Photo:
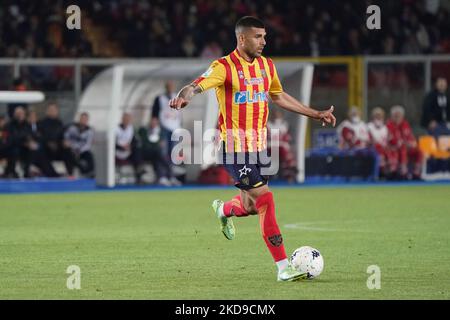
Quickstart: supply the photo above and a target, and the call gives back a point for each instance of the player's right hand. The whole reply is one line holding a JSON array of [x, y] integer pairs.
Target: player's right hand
[[178, 103]]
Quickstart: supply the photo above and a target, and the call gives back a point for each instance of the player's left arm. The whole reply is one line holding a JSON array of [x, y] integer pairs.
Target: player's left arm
[[286, 101]]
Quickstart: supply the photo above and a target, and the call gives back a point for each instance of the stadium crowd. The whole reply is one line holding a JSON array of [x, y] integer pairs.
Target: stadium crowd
[[205, 27]]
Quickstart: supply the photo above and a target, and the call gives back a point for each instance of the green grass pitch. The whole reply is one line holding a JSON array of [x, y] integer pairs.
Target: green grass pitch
[[167, 244]]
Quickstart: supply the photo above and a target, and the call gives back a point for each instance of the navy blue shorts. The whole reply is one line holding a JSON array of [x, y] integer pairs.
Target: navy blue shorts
[[245, 168]]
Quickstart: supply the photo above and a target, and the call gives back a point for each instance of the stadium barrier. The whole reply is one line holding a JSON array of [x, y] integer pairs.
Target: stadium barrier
[[364, 81]]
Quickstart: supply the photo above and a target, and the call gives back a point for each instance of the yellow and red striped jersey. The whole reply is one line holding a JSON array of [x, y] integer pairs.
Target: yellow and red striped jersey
[[242, 90]]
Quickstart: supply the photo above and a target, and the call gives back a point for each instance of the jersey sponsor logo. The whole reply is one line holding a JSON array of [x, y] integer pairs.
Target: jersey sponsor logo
[[253, 81], [246, 97]]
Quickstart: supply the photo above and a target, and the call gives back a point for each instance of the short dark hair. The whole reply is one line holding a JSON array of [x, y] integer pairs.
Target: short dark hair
[[249, 22]]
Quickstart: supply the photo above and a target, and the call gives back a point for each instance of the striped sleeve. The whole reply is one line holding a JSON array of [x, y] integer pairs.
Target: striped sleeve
[[213, 77], [275, 85]]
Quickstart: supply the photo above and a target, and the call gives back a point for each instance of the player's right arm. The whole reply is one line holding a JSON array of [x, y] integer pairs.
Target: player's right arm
[[184, 96], [212, 78]]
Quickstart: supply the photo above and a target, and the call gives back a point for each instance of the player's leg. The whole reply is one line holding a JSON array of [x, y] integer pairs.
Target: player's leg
[[239, 206], [261, 200]]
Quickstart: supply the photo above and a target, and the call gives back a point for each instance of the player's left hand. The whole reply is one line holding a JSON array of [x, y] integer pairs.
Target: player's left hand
[[327, 117]]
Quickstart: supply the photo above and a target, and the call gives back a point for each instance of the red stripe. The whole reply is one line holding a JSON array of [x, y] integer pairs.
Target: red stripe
[[251, 69], [266, 89], [228, 103], [198, 80], [242, 106]]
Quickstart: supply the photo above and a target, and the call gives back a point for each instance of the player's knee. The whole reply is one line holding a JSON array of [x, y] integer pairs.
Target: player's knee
[[250, 207], [265, 199]]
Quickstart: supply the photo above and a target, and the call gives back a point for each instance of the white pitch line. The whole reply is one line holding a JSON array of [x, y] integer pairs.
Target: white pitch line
[[306, 226], [309, 226]]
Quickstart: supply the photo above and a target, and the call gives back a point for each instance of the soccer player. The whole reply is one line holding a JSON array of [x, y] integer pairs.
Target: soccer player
[[244, 80]]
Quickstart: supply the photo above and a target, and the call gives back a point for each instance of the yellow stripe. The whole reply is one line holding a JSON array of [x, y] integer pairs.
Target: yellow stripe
[[235, 107], [262, 132], [260, 109], [220, 95], [248, 111]]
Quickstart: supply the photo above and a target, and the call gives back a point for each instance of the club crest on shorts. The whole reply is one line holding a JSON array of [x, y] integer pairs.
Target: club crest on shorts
[[276, 240]]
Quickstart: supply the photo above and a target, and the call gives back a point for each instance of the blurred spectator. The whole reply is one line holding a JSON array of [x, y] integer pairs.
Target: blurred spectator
[[353, 132], [159, 28], [127, 150], [51, 131], [378, 132], [18, 85], [436, 109], [3, 137], [22, 147], [78, 138], [150, 142], [404, 146], [33, 121], [169, 119], [212, 50], [280, 136]]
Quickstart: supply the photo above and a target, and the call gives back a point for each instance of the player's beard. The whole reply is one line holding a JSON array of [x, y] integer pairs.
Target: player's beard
[[258, 52], [255, 54]]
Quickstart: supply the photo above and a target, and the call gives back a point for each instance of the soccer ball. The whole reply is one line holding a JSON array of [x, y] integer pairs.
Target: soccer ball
[[307, 260]]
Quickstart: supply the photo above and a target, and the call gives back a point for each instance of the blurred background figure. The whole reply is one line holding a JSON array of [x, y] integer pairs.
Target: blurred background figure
[[436, 109], [3, 136], [127, 150], [33, 121], [279, 133], [152, 151], [353, 132], [21, 147], [378, 133], [169, 119], [407, 156], [78, 137], [51, 132], [212, 50], [18, 85]]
